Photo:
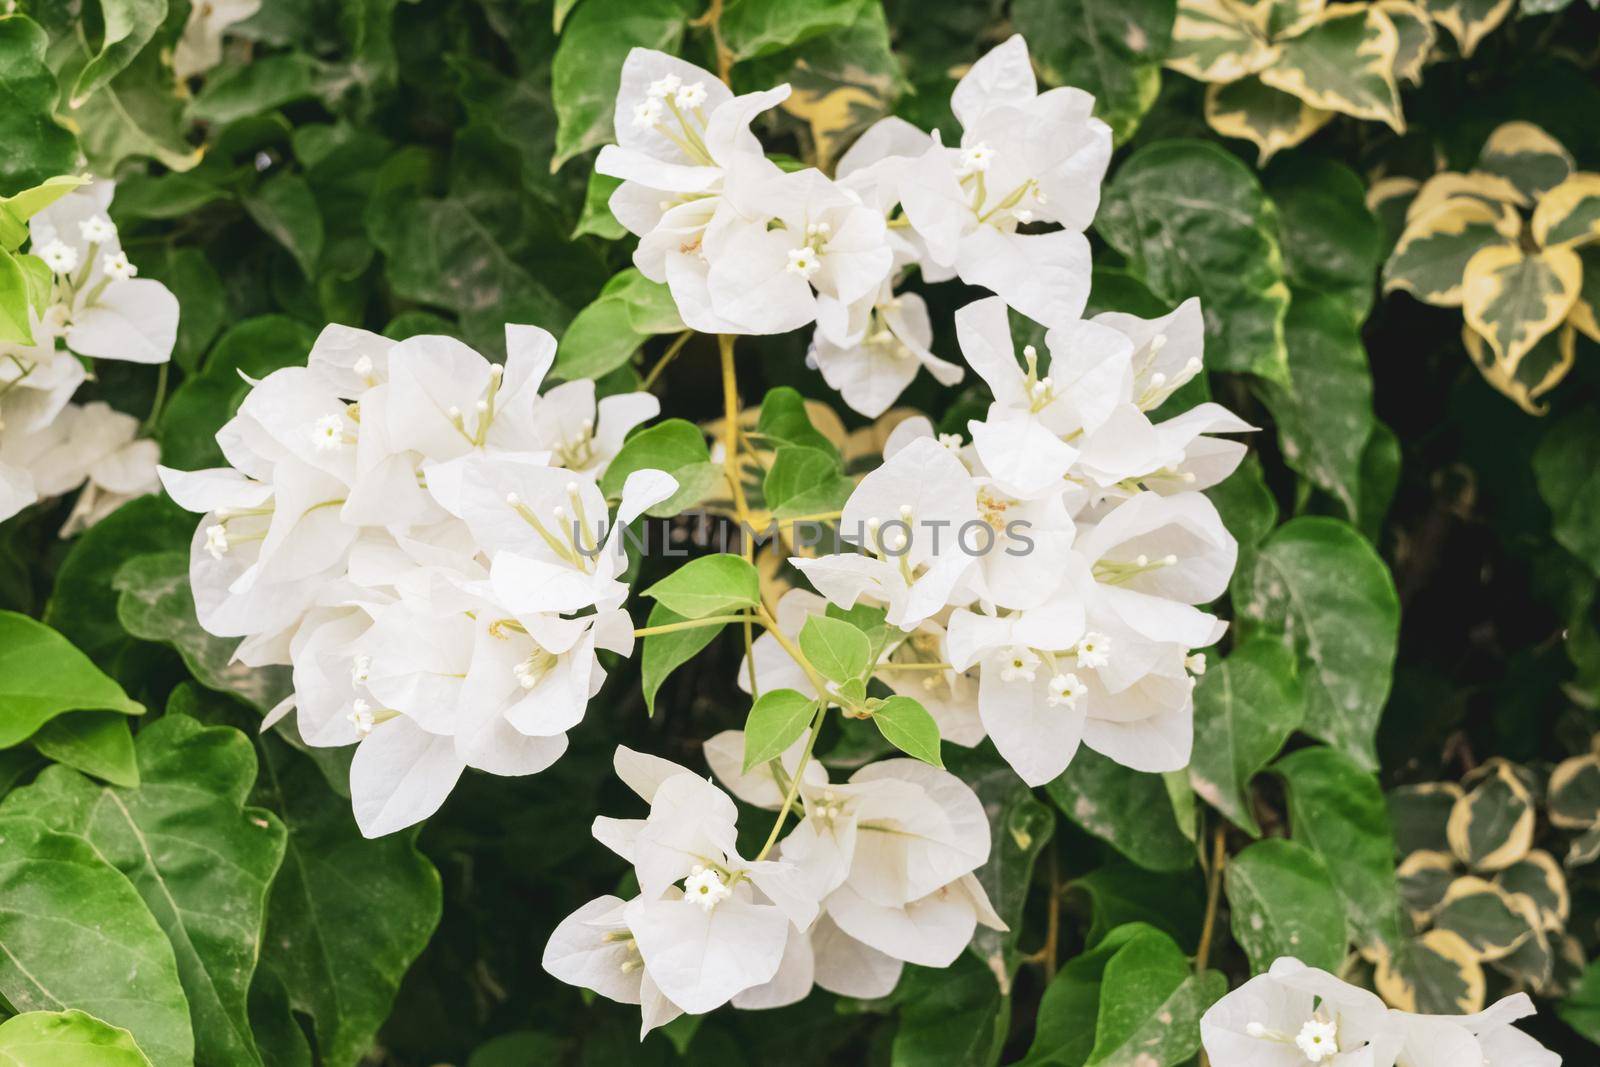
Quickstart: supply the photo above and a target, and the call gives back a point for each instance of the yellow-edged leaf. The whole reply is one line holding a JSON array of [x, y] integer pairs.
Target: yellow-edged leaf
[[1430, 259], [1284, 18], [1219, 40], [1513, 298], [1479, 185], [1469, 21], [1569, 214], [1343, 61], [1585, 313], [1486, 917], [1526, 156], [1573, 795], [1265, 117], [1540, 371], [1539, 878], [1423, 878], [1437, 973], [1416, 36], [1492, 826]]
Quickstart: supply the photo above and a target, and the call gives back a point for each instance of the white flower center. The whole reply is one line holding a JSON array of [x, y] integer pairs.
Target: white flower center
[[532, 670], [976, 160], [1318, 1039], [1065, 689], [363, 368], [705, 887], [1020, 663], [664, 86], [361, 717], [1094, 650], [647, 113], [117, 266], [97, 229], [1195, 664], [804, 261], [327, 434], [691, 95], [360, 670], [60, 257]]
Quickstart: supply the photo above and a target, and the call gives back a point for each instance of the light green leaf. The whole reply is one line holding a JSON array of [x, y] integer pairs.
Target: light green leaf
[[804, 481], [597, 218], [661, 654], [1320, 587], [1284, 904], [137, 113], [838, 650], [630, 310], [1266, 117], [43, 675], [1581, 1009], [676, 446], [37, 147], [1193, 221], [709, 585], [1569, 482], [1150, 1005], [94, 742], [1337, 810], [285, 208], [201, 859], [1130, 809], [776, 721], [67, 1039], [783, 421], [15, 301], [74, 933], [1245, 708], [908, 726], [752, 28], [1111, 50]]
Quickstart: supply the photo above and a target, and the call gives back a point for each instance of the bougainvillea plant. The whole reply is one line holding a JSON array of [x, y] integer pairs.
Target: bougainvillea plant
[[627, 531]]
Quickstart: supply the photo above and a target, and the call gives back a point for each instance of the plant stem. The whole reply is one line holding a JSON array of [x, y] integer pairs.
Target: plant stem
[[160, 401], [913, 667], [799, 774], [817, 681], [666, 357], [712, 20], [690, 624], [1219, 859], [730, 468]]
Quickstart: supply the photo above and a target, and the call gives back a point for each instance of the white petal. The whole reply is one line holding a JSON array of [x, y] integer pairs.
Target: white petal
[[1045, 276], [702, 959], [134, 320], [579, 954], [1003, 76], [400, 776]]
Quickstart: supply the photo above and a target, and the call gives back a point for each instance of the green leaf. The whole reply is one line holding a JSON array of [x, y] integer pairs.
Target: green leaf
[[1150, 1005], [838, 650], [951, 1017], [1343, 61], [709, 585], [74, 933], [201, 859], [1111, 50], [1193, 221], [907, 725], [1320, 587], [67, 1039], [661, 654], [1337, 810], [1127, 808], [1064, 1031], [752, 28], [285, 208], [15, 301], [783, 421], [588, 64], [1019, 829], [604, 335], [94, 742], [1245, 708], [37, 147], [1569, 481], [194, 281], [1331, 241], [1284, 904], [156, 604], [1581, 1009], [128, 25], [804, 481], [256, 87], [1380, 477], [340, 948], [596, 218], [676, 446], [138, 113], [1118, 893], [43, 675], [776, 721]]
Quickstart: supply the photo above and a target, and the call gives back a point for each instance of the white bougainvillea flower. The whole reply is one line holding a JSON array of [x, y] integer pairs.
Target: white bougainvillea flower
[[1024, 158], [349, 361], [951, 696], [116, 464], [759, 787], [582, 435], [1486, 1038], [871, 374], [593, 948], [200, 47], [400, 775], [1295, 1015]]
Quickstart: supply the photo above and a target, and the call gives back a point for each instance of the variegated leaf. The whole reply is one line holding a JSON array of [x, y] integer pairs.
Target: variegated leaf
[[1538, 372], [1486, 917], [1343, 61], [1526, 156], [1416, 38], [1423, 879], [1533, 961], [1583, 850], [1572, 798], [1539, 877], [1284, 18], [1219, 40], [1468, 21], [1585, 313], [1265, 117], [1449, 185], [1569, 214], [1491, 827], [1388, 199], [1437, 973], [1513, 298], [1430, 260], [1419, 814]]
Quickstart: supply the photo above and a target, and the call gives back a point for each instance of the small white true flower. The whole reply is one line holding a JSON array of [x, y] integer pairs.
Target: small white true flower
[[97, 229], [952, 441], [360, 670], [361, 717], [328, 433], [1195, 664], [647, 113], [706, 888], [1065, 689], [1318, 1039], [664, 87], [1094, 650], [691, 96], [217, 540], [60, 257], [804, 261], [1020, 662], [976, 160], [363, 368], [117, 266]]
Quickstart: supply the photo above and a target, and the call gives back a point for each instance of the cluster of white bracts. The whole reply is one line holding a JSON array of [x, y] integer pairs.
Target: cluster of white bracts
[[1295, 1015], [876, 874], [97, 309], [420, 535]]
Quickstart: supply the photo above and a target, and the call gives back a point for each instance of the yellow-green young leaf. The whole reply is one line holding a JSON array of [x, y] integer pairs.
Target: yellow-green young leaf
[[1245, 708], [776, 721], [1423, 878], [1416, 37], [1491, 827], [1538, 877], [838, 650], [94, 742], [908, 726], [1513, 298], [1572, 799], [752, 28], [19, 208], [1218, 41], [1420, 813], [588, 65], [1150, 1005], [42, 675], [67, 1039], [1569, 214], [1540, 370], [1267, 118], [1486, 917], [138, 113], [596, 217], [661, 654], [14, 301], [1344, 62], [1435, 974], [1284, 904], [708, 586], [676, 446], [1527, 157], [1469, 21]]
